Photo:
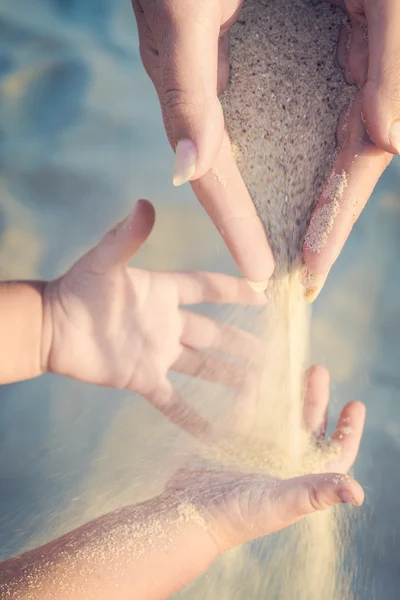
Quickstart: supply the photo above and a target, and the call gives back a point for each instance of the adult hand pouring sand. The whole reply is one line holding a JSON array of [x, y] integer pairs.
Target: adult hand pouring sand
[[184, 48], [368, 132]]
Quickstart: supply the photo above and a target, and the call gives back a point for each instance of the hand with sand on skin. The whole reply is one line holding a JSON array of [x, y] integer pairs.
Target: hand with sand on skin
[[180, 533], [111, 325], [184, 48], [368, 131], [240, 505]]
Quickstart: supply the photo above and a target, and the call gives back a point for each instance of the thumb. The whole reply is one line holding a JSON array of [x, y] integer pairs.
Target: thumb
[[119, 245], [267, 505], [188, 50], [381, 100], [295, 498]]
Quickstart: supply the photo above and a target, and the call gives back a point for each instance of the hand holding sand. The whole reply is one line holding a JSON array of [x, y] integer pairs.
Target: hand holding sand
[[184, 48], [203, 513], [247, 488], [368, 131], [111, 325]]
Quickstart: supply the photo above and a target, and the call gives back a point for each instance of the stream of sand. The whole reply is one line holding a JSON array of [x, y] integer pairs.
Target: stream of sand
[[282, 105]]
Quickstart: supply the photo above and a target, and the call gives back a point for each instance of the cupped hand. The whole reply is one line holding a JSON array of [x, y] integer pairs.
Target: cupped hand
[[239, 505], [368, 131], [184, 47], [111, 325]]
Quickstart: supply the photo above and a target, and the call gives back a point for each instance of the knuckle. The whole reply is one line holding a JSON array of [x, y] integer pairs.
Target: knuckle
[[161, 397], [316, 499], [149, 55], [179, 104]]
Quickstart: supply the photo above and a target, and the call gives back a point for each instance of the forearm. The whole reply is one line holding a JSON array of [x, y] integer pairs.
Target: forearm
[[21, 318], [144, 552]]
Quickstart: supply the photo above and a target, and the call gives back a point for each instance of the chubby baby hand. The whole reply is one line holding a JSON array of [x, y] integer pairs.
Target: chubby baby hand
[[108, 324]]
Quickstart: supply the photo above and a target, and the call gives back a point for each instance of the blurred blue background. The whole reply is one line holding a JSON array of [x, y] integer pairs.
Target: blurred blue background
[[81, 139]]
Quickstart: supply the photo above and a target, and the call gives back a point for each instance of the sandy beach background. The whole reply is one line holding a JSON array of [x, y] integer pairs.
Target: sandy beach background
[[81, 139]]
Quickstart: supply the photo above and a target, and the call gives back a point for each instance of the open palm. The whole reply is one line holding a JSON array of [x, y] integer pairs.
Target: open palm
[[241, 503], [112, 325]]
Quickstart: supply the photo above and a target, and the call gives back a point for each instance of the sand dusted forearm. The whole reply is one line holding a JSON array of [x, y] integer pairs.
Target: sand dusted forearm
[[142, 552]]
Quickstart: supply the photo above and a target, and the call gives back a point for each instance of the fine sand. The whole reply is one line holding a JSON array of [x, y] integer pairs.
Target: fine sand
[[282, 105]]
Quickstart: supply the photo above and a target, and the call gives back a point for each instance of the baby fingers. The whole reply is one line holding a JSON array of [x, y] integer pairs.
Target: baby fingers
[[210, 368], [316, 402], [197, 287], [204, 333], [171, 404], [347, 436]]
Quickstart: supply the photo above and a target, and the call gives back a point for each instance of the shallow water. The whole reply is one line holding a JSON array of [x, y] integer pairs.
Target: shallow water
[[80, 139]]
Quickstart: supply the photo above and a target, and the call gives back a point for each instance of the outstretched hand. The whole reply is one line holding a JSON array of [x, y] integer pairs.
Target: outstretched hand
[[111, 325], [184, 48], [368, 132], [241, 506]]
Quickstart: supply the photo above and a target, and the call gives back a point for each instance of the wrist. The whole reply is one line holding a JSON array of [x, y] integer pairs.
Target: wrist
[[197, 524], [21, 312]]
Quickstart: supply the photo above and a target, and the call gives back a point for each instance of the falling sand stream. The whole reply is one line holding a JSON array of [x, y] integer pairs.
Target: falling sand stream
[[282, 106]]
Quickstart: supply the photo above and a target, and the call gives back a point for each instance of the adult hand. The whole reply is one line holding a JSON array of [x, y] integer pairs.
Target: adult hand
[[108, 324], [368, 132], [240, 504], [184, 48]]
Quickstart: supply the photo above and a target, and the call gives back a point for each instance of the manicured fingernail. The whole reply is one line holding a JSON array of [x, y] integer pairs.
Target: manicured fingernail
[[312, 282], [395, 136], [347, 498], [185, 162], [258, 287]]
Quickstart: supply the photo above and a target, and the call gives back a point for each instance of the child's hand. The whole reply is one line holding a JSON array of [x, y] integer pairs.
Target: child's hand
[[240, 503], [111, 325]]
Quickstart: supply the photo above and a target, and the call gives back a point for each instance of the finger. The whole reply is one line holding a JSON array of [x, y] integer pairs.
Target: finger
[[197, 287], [203, 333], [167, 400], [147, 44], [316, 401], [210, 368], [295, 498], [356, 171], [119, 245], [382, 91], [225, 198], [357, 60], [347, 436], [188, 52]]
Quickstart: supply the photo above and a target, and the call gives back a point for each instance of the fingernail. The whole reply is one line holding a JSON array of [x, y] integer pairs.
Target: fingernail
[[185, 162], [347, 498], [312, 282], [395, 136], [258, 287]]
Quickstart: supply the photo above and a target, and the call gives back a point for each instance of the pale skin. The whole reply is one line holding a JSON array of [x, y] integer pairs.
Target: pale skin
[[184, 47], [112, 557], [109, 324]]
